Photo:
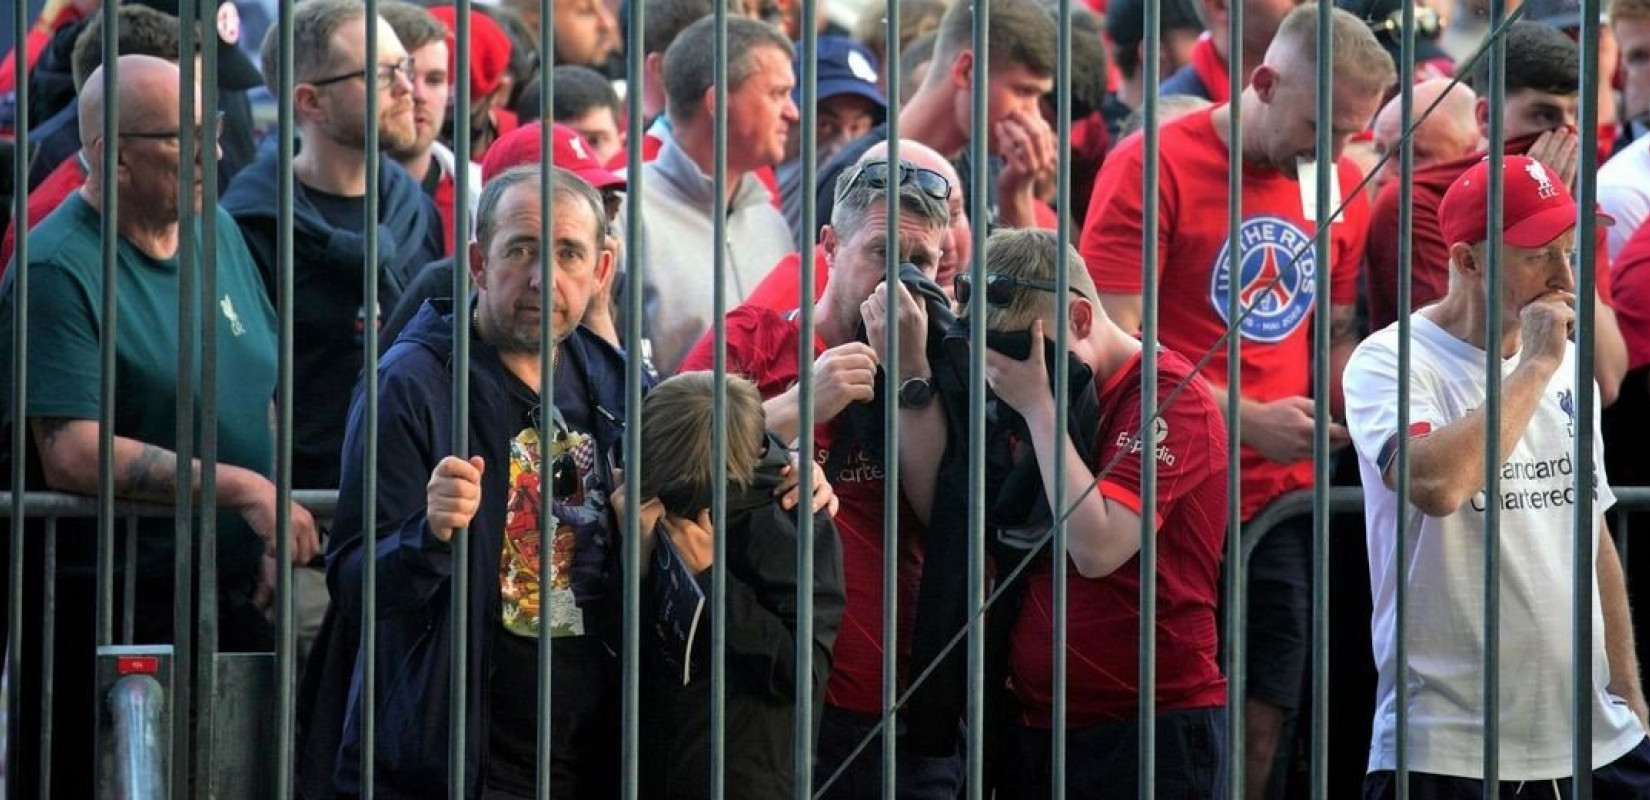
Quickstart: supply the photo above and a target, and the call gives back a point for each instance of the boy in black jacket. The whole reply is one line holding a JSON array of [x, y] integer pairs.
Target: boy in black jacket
[[762, 621]]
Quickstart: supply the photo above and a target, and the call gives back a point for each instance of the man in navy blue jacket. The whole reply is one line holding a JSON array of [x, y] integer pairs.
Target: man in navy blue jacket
[[424, 493]]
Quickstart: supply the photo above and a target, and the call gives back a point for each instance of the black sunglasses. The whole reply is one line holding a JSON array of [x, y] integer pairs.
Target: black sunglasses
[[1428, 25], [1000, 289], [933, 184]]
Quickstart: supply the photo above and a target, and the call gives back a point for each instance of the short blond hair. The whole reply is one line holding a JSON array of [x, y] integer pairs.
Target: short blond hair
[[1030, 253], [677, 446], [1359, 57]]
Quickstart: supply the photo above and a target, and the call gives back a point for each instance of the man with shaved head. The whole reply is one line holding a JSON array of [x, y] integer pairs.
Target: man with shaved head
[[1447, 133], [62, 411]]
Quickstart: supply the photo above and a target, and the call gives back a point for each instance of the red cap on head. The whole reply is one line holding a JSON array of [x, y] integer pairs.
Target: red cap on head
[[1536, 205], [523, 146], [489, 50]]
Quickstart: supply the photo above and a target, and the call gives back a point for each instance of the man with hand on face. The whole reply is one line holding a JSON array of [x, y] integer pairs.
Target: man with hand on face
[[851, 316], [1276, 287], [1449, 442]]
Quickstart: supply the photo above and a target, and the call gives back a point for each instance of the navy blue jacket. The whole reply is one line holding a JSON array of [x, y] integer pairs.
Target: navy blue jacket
[[414, 568]]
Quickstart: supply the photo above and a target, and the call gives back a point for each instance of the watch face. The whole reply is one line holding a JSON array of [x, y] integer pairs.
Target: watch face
[[915, 393]]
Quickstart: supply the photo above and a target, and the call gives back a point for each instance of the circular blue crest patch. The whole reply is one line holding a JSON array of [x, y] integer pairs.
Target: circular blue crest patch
[[1278, 264]]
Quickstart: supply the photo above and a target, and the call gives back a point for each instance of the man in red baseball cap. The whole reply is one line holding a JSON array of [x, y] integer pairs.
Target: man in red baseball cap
[[1536, 495]]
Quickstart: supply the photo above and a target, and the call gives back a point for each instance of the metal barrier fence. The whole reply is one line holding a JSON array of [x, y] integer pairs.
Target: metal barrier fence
[[193, 736]]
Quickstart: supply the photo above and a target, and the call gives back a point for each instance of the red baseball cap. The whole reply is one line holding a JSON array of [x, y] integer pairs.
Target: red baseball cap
[[1536, 205], [489, 50], [522, 146]]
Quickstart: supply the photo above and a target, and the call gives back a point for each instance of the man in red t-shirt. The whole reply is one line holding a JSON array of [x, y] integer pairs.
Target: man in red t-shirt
[[1539, 116], [1189, 445], [764, 345], [1276, 287]]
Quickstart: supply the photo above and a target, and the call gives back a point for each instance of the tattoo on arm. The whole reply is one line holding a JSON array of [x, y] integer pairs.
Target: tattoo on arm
[[150, 475]]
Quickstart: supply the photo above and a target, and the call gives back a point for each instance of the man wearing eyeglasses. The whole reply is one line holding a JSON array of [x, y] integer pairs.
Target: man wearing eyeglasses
[[62, 411], [849, 388], [1106, 442], [329, 212]]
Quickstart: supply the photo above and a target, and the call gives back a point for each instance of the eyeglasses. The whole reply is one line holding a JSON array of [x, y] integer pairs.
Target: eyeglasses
[[386, 74], [1428, 25], [930, 182], [1000, 289], [200, 132]]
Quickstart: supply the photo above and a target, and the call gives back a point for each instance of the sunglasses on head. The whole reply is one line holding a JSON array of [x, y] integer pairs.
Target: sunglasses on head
[[1428, 25], [1000, 289], [933, 184]]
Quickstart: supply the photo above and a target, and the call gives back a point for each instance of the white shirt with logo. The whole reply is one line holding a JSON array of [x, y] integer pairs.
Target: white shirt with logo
[[1445, 576]]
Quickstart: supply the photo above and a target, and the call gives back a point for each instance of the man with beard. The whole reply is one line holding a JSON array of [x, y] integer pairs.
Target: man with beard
[[429, 161], [332, 77]]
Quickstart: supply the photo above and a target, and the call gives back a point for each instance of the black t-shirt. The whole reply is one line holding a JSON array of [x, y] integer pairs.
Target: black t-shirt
[[343, 213], [579, 662]]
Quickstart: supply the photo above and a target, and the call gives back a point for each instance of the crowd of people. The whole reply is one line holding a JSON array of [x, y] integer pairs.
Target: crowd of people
[[446, 196]]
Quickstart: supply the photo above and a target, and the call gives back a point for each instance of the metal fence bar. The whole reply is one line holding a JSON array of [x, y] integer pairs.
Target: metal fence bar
[[106, 341], [1235, 594], [719, 419], [369, 375], [1149, 259], [1059, 568], [48, 654], [1586, 531], [284, 187], [128, 582], [1326, 171], [1406, 283], [890, 498], [183, 555], [206, 600], [635, 219], [803, 745], [978, 211], [18, 446], [1492, 409], [547, 393], [459, 594]]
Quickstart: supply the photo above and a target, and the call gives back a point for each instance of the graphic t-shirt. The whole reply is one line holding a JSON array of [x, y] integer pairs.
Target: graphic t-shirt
[[762, 345], [1444, 572], [1278, 267], [1103, 622]]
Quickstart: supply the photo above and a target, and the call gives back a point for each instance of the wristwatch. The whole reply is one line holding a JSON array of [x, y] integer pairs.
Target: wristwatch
[[916, 393]]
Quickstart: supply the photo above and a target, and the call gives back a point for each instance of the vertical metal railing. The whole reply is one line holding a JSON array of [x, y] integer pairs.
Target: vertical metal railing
[[369, 375], [285, 185], [1586, 530], [18, 447], [1151, 189], [110, 242], [205, 746], [183, 573], [1236, 594], [1323, 218], [1406, 282], [979, 169], [891, 368], [1492, 412], [803, 750], [547, 390], [458, 778], [1059, 570], [635, 265], [719, 422]]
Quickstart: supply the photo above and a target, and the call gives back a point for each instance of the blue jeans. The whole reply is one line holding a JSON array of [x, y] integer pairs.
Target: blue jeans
[[1103, 760], [918, 777], [1626, 778]]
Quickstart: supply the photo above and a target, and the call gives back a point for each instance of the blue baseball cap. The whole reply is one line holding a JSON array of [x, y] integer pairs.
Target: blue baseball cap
[[845, 67]]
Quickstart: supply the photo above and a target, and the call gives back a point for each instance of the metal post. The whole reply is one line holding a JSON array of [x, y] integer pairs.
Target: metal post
[[803, 737], [719, 425], [183, 555], [19, 420], [1235, 594], [1149, 255], [369, 374], [1586, 530], [106, 339], [635, 260], [206, 560], [1406, 282], [978, 211], [890, 412], [285, 657], [547, 387], [1059, 569], [1492, 411], [1324, 219], [137, 703], [48, 654], [459, 599]]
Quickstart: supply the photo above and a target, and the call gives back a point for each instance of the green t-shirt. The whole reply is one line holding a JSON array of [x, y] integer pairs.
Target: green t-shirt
[[65, 319]]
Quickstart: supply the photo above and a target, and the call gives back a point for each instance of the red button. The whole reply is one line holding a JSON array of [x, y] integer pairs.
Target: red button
[[137, 665]]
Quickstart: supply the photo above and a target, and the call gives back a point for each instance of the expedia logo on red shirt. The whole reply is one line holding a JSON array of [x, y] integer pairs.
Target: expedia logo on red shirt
[[1278, 264]]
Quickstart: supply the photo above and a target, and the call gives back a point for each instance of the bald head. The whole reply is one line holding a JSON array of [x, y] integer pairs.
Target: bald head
[[958, 243], [147, 95], [1450, 132]]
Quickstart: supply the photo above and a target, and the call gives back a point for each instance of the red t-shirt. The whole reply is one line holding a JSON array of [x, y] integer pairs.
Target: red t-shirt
[[762, 345], [1632, 296], [443, 197], [63, 181], [1103, 623], [781, 288], [1193, 279], [1430, 265]]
